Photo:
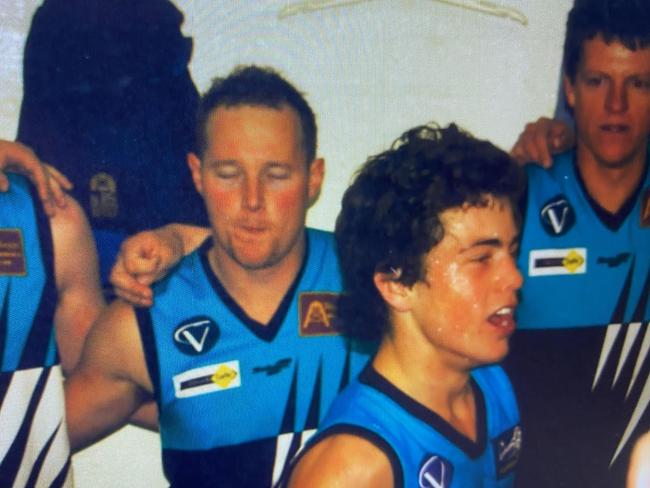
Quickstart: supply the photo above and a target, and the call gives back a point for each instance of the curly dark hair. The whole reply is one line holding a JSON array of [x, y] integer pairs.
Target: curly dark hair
[[257, 86], [390, 216], [626, 21]]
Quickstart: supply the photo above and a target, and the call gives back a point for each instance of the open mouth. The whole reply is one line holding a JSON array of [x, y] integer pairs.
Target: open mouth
[[503, 318]]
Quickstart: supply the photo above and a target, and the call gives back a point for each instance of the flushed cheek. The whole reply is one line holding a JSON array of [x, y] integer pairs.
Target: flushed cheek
[[288, 201]]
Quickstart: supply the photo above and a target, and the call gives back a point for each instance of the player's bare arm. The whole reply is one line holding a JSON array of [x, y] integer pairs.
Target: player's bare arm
[[49, 182], [541, 139], [148, 256], [343, 460], [77, 280], [111, 380], [638, 475]]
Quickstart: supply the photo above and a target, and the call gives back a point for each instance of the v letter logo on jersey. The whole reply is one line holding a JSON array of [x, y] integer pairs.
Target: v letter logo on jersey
[[435, 472], [196, 335], [557, 216]]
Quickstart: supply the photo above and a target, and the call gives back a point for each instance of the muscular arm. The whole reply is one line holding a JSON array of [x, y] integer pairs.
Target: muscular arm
[[111, 380], [80, 299], [343, 460], [148, 256]]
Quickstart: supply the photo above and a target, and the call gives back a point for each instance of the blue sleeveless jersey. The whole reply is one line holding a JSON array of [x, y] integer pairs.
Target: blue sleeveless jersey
[[237, 398], [34, 447], [424, 450], [579, 359]]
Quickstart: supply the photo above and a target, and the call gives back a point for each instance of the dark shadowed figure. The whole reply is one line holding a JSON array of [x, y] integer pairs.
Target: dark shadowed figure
[[108, 100]]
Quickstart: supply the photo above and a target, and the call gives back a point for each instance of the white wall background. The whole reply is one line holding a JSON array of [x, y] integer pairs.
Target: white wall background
[[371, 69]]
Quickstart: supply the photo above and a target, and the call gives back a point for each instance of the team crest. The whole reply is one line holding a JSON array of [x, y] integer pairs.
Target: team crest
[[557, 216], [435, 472], [507, 448], [317, 314], [645, 209], [12, 253], [196, 336]]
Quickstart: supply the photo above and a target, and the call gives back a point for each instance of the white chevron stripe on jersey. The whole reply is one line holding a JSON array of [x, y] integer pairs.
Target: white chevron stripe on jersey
[[608, 344], [631, 333], [632, 330], [14, 404], [643, 353], [48, 421]]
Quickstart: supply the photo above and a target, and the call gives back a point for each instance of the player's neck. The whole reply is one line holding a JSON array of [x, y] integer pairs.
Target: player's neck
[[610, 186], [431, 380], [257, 291]]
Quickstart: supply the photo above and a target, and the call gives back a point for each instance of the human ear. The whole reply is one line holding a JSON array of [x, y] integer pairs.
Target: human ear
[[194, 163], [316, 176], [569, 91], [394, 292]]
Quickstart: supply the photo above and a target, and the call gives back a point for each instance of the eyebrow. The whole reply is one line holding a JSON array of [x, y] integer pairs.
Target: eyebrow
[[490, 242]]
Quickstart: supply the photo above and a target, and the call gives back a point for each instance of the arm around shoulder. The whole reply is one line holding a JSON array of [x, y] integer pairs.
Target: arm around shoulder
[[148, 256], [343, 460]]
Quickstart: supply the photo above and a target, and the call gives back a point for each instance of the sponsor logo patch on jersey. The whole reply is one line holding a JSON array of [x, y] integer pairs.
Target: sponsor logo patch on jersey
[[435, 472], [507, 448], [207, 379], [12, 253], [557, 216], [645, 209], [548, 262], [196, 335], [317, 314]]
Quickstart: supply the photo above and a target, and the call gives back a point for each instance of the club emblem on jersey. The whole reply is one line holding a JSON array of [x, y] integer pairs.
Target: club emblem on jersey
[[645, 209], [207, 379], [557, 216], [435, 472], [196, 335], [507, 448], [12, 253], [317, 314], [548, 262]]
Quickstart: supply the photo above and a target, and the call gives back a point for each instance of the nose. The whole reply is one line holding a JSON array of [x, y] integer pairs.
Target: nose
[[510, 276], [253, 194], [616, 100]]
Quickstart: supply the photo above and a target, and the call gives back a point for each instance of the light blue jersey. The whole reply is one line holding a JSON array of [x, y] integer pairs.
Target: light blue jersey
[[579, 360], [34, 448], [424, 450], [237, 398]]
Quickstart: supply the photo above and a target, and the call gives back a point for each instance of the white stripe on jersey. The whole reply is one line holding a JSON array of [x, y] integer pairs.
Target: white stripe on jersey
[[48, 417]]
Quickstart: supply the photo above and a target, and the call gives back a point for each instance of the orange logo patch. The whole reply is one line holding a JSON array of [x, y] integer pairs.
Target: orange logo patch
[[317, 314], [12, 253]]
